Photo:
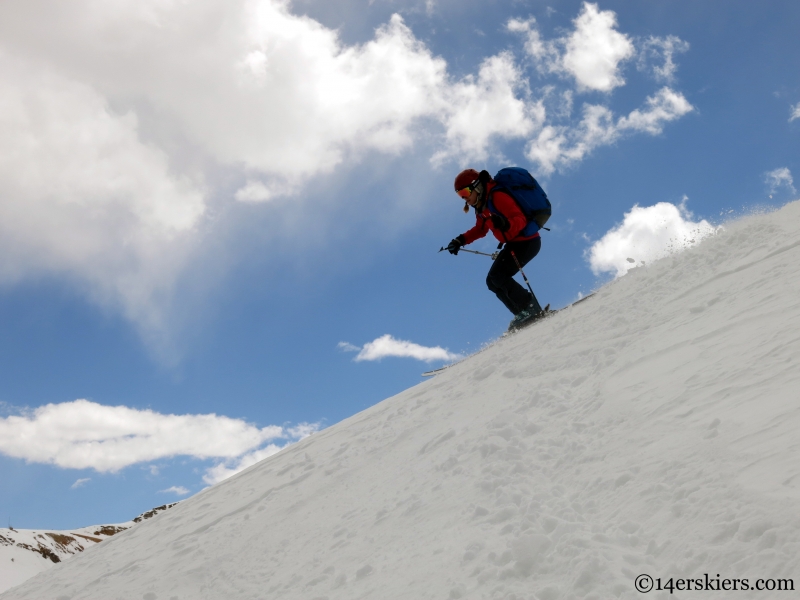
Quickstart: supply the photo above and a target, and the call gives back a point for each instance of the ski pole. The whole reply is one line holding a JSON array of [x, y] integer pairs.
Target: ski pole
[[493, 255], [528, 283]]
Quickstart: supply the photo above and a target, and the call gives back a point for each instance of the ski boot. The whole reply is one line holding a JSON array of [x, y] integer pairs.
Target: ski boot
[[528, 315]]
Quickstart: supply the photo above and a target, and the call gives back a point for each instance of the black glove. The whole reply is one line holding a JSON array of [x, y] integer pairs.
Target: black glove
[[455, 244], [500, 222]]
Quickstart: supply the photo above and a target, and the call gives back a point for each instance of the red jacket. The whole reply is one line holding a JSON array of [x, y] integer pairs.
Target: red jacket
[[505, 205]]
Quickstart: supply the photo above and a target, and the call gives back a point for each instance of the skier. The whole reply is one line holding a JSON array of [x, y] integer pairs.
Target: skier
[[511, 227]]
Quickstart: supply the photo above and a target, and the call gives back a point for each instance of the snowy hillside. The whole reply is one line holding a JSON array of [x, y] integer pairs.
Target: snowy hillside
[[26, 552], [649, 430]]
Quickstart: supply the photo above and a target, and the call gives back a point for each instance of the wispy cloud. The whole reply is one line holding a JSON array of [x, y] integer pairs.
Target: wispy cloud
[[795, 112], [593, 55], [561, 146], [647, 234], [84, 434], [178, 490], [229, 468], [664, 48], [780, 179], [80, 483], [387, 346]]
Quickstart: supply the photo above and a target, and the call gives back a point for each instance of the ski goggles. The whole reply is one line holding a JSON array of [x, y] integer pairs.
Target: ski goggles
[[466, 192]]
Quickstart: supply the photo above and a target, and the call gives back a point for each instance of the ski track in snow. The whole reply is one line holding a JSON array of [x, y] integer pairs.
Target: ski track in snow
[[651, 430]]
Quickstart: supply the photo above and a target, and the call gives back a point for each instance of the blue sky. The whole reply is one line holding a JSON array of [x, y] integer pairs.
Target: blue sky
[[200, 204]]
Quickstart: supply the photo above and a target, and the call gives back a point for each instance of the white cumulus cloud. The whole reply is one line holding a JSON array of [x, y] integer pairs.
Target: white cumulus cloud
[[595, 50], [647, 234], [246, 81], [387, 346], [81, 194], [114, 119], [667, 105], [592, 54], [83, 434], [491, 105]]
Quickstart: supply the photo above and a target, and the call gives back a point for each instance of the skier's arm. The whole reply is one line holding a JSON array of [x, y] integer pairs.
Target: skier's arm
[[480, 230], [505, 205]]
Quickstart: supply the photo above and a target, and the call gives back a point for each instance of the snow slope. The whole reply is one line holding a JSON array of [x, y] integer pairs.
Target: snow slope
[[651, 429], [26, 552]]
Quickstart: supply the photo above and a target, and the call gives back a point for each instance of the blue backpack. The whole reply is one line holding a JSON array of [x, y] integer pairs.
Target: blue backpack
[[527, 193]]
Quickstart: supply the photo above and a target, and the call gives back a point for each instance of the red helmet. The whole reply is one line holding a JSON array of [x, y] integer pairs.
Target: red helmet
[[465, 178]]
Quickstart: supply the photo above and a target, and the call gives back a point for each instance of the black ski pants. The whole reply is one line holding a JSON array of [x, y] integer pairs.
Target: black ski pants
[[501, 280]]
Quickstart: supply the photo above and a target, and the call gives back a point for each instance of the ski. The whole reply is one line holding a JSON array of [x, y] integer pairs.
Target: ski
[[547, 313], [580, 300], [433, 372]]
